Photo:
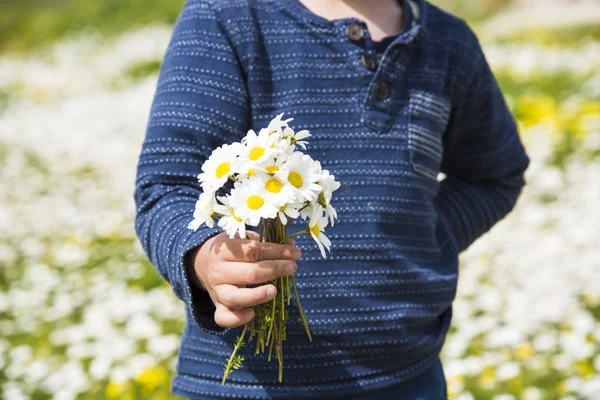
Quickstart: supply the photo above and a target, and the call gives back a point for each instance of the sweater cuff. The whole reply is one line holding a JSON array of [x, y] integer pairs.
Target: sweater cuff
[[199, 302]]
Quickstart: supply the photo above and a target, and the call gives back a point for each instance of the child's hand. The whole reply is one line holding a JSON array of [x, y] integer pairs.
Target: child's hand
[[223, 266]]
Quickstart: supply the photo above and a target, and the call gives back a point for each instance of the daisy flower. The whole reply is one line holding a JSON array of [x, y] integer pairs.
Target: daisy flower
[[218, 167], [309, 209], [245, 168], [290, 210], [271, 165], [315, 228], [277, 191], [284, 149], [229, 220], [302, 173], [328, 185], [276, 125], [295, 138], [257, 148], [203, 213], [249, 200]]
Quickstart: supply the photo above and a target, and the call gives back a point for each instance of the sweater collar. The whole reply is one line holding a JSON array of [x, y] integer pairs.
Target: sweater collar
[[417, 11]]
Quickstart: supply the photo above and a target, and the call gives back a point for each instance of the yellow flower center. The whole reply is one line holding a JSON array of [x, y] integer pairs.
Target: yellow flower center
[[282, 208], [250, 172], [272, 169], [273, 185], [256, 153], [315, 230], [223, 169], [255, 202], [238, 219], [295, 179]]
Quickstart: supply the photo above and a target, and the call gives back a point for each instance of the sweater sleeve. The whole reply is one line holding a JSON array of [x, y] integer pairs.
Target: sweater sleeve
[[200, 102], [484, 159]]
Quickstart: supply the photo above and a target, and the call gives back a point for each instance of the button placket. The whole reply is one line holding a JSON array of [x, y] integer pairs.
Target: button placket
[[368, 61], [381, 90], [355, 32], [377, 111]]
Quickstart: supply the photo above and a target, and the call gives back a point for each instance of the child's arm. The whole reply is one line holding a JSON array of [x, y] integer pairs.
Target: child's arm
[[484, 159], [201, 102]]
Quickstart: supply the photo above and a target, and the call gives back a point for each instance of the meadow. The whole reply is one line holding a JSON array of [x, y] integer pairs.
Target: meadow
[[83, 314]]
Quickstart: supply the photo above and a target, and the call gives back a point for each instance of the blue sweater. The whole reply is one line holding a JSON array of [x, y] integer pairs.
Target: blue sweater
[[379, 306]]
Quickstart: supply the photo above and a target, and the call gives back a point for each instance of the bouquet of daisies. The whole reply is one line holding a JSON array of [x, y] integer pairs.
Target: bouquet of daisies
[[273, 184]]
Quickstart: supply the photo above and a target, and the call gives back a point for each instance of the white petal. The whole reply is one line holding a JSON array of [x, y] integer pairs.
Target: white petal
[[325, 240], [195, 224]]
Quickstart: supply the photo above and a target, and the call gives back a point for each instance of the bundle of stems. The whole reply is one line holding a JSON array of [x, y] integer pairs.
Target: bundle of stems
[[268, 326]]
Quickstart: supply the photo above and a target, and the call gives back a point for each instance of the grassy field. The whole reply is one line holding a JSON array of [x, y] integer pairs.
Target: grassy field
[[83, 315], [29, 24]]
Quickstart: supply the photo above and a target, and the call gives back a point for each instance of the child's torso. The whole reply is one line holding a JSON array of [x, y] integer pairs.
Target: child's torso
[[378, 127]]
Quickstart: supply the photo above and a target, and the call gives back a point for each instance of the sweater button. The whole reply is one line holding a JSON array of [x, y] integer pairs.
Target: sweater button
[[368, 62], [381, 91], [354, 32]]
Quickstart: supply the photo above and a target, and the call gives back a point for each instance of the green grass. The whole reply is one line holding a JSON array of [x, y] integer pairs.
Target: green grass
[[558, 85], [143, 69], [562, 37], [472, 11], [29, 24]]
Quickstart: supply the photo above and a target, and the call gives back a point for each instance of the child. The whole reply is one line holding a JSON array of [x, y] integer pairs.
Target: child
[[393, 92]]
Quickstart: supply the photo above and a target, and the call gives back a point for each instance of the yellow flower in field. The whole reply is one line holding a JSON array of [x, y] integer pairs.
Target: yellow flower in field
[[588, 117], [524, 350], [487, 379], [115, 390], [533, 109], [561, 388], [516, 383], [454, 385], [590, 108], [584, 369], [152, 378]]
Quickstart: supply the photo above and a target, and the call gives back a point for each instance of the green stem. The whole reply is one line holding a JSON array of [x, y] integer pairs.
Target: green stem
[[302, 316], [295, 234], [230, 362], [272, 316]]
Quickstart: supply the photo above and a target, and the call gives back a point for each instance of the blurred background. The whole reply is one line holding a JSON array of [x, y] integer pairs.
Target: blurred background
[[83, 315]]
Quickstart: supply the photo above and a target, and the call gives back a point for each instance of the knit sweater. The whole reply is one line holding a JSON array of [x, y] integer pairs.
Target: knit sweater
[[380, 305]]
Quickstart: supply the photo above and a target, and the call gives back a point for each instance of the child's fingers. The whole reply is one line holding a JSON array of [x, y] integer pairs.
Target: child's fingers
[[235, 298], [253, 250], [228, 318], [246, 273]]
